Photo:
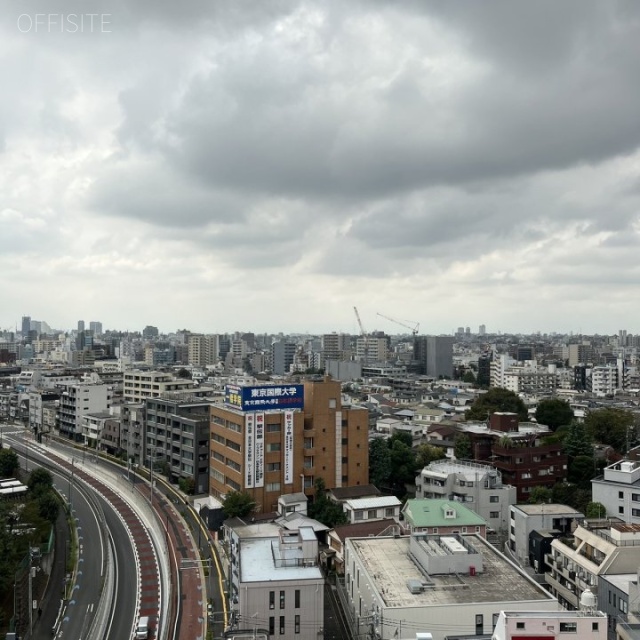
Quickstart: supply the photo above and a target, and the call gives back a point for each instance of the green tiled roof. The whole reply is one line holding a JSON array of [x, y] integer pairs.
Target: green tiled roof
[[431, 513]]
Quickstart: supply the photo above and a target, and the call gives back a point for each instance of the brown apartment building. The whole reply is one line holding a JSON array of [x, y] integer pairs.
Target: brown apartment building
[[267, 447]]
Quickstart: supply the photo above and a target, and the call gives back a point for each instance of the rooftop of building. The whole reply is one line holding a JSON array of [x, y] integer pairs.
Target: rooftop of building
[[559, 615], [292, 498], [548, 510], [366, 529], [430, 512], [259, 563], [373, 503], [390, 567], [461, 467], [359, 491]]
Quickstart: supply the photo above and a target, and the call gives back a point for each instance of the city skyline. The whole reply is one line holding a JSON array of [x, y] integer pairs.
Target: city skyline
[[270, 166]]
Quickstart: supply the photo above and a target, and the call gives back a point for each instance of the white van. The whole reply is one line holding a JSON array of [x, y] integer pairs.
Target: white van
[[142, 630]]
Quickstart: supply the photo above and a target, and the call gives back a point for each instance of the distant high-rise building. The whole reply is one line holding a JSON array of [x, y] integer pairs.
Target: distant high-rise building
[[282, 354], [203, 350], [434, 355], [150, 332], [96, 327], [26, 325], [482, 330], [80, 326]]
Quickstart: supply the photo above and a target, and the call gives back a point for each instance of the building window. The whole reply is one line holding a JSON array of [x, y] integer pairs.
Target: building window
[[297, 598], [357, 515], [272, 599], [273, 466], [621, 510], [297, 624], [273, 486], [519, 625], [388, 512], [273, 446], [273, 428], [479, 623], [282, 599], [281, 625], [620, 495], [494, 620], [308, 462], [308, 443], [332, 403], [372, 514], [494, 498], [568, 627], [494, 514], [594, 626], [272, 625]]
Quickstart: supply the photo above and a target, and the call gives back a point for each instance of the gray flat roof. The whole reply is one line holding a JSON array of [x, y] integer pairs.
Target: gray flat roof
[[389, 565], [257, 564], [548, 510]]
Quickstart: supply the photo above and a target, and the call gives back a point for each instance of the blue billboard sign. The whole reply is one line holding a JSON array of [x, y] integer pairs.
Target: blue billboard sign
[[265, 397]]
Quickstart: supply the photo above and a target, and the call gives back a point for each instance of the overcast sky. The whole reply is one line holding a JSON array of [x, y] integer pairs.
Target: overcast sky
[[229, 165]]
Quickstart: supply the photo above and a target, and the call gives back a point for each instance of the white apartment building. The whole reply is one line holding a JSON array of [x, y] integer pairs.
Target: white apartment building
[[276, 583], [444, 585], [140, 385], [531, 378], [525, 518], [594, 551], [607, 380], [375, 349], [554, 625], [618, 489], [499, 366], [203, 350], [367, 509], [78, 400], [478, 486]]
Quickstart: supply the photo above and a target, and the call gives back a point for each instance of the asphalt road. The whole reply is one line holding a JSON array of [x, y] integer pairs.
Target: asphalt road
[[92, 547], [84, 593]]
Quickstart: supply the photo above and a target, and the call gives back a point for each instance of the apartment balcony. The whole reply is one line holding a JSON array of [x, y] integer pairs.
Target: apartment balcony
[[562, 590]]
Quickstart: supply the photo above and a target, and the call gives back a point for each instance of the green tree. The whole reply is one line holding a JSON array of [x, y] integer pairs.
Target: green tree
[[40, 480], [462, 447], [325, 510], [379, 462], [238, 504], [184, 373], [578, 442], [403, 465], [554, 412], [9, 463], [596, 510], [564, 493], [540, 495], [612, 426], [581, 470], [426, 453], [469, 377], [401, 436], [496, 399], [48, 506]]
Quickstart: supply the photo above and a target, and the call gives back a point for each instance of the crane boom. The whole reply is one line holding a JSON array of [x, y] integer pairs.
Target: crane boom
[[364, 335], [413, 328]]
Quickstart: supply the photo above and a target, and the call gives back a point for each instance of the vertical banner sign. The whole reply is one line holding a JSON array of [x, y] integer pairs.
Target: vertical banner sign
[[339, 448], [258, 450], [248, 451], [288, 447]]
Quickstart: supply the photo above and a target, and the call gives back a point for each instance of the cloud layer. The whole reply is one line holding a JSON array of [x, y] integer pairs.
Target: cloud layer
[[268, 165]]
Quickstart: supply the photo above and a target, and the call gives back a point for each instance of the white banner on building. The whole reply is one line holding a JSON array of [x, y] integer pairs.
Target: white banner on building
[[338, 448], [258, 451], [288, 447], [249, 451]]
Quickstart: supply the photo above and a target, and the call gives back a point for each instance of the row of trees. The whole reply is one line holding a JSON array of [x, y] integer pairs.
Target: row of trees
[[32, 518], [394, 463]]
